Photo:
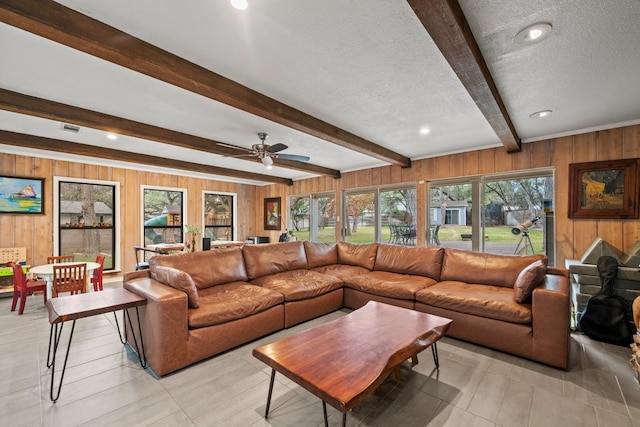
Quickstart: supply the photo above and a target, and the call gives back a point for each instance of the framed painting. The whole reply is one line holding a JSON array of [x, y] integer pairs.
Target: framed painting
[[20, 195], [607, 189], [272, 213]]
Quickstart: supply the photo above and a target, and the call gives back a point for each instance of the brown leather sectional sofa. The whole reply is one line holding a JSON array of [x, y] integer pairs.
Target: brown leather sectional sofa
[[203, 303]]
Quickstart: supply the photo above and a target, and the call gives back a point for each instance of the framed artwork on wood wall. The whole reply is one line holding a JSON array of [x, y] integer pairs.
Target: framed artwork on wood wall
[[606, 189], [20, 195], [272, 213]]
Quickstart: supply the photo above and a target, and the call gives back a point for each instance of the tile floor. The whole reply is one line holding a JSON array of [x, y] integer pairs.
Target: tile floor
[[475, 386]]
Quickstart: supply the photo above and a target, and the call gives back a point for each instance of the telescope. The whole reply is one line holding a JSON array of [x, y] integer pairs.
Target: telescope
[[524, 226]]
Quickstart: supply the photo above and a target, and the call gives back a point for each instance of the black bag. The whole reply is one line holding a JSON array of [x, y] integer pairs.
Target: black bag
[[607, 317]]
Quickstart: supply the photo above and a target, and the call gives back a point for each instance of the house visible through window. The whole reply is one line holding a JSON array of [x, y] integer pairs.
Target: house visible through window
[[86, 215], [502, 214]]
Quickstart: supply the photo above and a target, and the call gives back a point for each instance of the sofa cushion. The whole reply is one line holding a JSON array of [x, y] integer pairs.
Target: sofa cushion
[[178, 279], [299, 284], [320, 254], [231, 301], [272, 258], [363, 255], [493, 302], [528, 279], [207, 268], [419, 261], [340, 271], [387, 284], [487, 269]]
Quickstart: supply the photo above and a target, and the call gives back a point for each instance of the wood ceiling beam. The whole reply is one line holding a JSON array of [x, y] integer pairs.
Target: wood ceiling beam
[[447, 26], [33, 106], [63, 25], [60, 146]]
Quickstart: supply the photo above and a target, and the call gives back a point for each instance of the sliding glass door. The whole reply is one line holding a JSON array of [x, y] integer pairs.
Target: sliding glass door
[[501, 214], [313, 217], [386, 215]]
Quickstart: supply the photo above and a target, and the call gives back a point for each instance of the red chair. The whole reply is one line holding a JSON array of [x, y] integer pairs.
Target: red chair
[[23, 287], [96, 278]]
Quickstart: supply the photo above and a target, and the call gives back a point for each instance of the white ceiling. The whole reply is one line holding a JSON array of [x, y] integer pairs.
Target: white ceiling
[[368, 67]]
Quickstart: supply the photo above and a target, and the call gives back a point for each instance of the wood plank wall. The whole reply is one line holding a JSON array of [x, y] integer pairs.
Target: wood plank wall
[[573, 237], [35, 232]]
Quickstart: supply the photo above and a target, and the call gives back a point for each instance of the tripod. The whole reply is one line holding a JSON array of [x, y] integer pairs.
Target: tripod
[[527, 243]]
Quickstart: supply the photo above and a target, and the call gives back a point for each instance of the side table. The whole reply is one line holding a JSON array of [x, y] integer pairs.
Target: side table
[[74, 307]]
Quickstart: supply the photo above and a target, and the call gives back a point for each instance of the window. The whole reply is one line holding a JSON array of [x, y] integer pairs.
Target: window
[[86, 219], [163, 215], [313, 217], [219, 215], [502, 214], [381, 215]]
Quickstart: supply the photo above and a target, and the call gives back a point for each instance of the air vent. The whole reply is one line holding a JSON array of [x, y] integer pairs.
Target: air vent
[[70, 128]]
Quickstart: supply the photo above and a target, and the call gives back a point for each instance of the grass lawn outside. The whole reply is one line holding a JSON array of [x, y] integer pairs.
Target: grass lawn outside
[[447, 233]]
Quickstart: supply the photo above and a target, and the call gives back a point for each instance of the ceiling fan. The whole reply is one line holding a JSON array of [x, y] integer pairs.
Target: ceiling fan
[[266, 153]]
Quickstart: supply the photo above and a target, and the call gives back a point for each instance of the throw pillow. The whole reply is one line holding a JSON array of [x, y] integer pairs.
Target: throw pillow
[[530, 277], [180, 280]]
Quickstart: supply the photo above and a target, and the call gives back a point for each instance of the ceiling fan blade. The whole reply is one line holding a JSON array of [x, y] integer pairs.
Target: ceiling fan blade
[[293, 157], [277, 147]]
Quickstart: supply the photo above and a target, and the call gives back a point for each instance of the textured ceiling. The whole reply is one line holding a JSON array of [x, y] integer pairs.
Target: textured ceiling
[[368, 67]]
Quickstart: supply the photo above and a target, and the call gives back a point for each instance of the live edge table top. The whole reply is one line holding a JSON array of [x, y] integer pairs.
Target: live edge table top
[[72, 307], [345, 360]]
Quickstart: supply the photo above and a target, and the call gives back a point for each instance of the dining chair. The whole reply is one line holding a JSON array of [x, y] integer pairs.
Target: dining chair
[[23, 287], [59, 259], [96, 277], [69, 278]]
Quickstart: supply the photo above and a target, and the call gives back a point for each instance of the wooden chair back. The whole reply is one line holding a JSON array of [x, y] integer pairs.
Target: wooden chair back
[[59, 259], [69, 278], [96, 277]]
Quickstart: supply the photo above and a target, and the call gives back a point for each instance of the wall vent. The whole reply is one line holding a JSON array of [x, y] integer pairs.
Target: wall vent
[[70, 128]]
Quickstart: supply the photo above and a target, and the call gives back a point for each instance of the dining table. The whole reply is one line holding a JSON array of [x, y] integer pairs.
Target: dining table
[[45, 271]]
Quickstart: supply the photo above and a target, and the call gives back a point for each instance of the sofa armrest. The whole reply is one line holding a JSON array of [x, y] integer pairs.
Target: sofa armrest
[[551, 314], [164, 322], [130, 275]]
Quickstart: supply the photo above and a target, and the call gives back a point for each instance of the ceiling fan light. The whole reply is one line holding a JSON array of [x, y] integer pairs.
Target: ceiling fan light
[[267, 161]]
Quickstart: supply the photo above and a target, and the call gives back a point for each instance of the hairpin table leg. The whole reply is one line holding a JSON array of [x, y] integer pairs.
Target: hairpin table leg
[[51, 362]]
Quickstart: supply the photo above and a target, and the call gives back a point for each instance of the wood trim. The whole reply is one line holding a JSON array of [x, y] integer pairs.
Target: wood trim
[[63, 25], [447, 26], [40, 143]]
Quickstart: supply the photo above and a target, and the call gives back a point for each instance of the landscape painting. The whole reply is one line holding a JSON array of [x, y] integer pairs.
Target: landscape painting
[[21, 195]]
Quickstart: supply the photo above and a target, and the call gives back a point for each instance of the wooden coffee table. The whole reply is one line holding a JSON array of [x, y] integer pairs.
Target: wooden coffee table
[[345, 360]]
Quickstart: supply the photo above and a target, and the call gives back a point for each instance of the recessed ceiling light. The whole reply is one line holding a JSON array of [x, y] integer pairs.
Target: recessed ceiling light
[[112, 136], [239, 4], [533, 34], [425, 130], [540, 114]]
